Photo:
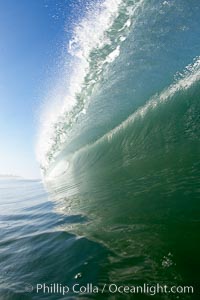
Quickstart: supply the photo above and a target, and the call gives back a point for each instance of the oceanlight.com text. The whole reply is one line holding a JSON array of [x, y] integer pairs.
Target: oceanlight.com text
[[111, 288]]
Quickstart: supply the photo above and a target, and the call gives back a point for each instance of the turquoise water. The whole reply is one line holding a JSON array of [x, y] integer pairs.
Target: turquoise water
[[119, 202]]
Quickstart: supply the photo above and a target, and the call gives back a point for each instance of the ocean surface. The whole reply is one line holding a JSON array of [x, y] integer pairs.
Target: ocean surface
[[119, 200]]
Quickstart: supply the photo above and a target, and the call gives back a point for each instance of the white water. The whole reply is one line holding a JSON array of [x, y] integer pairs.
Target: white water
[[89, 34]]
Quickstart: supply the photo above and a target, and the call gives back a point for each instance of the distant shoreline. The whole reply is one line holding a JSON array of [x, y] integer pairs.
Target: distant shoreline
[[10, 177]]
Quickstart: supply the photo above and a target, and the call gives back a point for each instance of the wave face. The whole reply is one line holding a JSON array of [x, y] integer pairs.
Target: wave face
[[122, 52], [125, 151]]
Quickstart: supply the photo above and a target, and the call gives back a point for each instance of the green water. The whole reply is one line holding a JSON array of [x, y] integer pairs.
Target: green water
[[130, 163], [119, 203], [139, 188]]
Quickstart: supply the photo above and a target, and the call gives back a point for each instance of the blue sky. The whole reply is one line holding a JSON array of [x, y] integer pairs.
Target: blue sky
[[31, 37]]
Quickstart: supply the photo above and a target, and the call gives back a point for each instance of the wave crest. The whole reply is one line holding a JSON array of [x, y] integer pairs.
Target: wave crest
[[95, 44]]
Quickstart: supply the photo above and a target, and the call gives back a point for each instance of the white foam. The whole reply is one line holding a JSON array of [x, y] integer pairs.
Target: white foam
[[87, 35], [113, 55], [90, 33]]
